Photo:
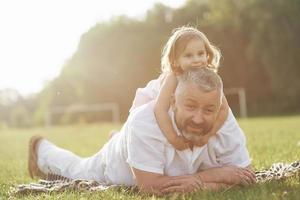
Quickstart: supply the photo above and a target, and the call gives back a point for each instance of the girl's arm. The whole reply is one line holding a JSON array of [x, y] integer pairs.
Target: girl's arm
[[221, 118], [161, 109]]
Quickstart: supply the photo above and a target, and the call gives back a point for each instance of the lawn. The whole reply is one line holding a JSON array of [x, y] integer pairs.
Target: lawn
[[274, 139]]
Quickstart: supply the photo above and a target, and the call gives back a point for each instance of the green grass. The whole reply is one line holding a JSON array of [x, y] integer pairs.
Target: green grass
[[270, 140]]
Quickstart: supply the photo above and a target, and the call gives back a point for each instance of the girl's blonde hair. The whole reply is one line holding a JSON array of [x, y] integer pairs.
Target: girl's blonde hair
[[178, 42]]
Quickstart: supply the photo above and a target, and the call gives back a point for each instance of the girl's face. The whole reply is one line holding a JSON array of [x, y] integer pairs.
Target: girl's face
[[194, 55]]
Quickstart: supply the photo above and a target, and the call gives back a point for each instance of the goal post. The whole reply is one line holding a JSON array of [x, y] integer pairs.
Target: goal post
[[241, 93], [89, 108]]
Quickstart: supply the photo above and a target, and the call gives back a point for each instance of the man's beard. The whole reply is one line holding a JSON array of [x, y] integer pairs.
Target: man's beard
[[194, 136], [191, 136]]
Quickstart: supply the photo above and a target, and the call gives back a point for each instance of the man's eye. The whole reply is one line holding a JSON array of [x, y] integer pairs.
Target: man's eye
[[190, 106], [209, 111], [201, 53]]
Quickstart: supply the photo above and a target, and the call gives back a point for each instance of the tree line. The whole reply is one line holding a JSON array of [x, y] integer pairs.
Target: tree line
[[259, 41]]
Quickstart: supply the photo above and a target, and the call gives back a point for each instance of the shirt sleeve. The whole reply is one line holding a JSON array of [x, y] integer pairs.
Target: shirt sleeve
[[231, 146], [145, 151], [146, 94]]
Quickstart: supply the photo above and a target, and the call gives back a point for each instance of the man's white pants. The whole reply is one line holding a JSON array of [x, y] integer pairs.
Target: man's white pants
[[52, 159]]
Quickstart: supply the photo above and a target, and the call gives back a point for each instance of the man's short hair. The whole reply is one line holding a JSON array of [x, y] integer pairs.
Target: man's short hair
[[204, 78]]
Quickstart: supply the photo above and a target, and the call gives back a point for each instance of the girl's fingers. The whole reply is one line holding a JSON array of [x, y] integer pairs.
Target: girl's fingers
[[183, 139]]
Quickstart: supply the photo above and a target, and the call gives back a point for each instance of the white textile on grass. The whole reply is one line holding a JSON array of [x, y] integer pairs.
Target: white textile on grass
[[55, 183]]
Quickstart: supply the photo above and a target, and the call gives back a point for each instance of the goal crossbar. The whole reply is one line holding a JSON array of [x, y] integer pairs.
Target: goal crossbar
[[113, 107]]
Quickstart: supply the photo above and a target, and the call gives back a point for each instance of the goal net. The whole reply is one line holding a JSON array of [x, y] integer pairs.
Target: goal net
[[83, 108]]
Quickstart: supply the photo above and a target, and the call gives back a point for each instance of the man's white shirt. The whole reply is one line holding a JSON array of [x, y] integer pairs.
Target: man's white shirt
[[141, 145]]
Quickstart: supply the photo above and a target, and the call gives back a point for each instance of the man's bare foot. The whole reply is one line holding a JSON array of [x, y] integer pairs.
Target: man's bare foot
[[33, 168]]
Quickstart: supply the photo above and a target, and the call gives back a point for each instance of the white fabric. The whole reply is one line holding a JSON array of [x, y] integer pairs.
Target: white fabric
[[141, 144], [52, 159], [148, 93]]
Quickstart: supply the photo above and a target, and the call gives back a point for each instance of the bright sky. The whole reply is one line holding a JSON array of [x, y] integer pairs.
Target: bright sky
[[38, 36]]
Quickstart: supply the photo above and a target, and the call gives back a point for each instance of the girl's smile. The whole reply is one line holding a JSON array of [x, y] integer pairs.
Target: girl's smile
[[194, 55]]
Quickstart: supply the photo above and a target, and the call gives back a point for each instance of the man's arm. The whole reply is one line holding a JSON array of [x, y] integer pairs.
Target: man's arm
[[149, 182], [231, 175], [159, 184], [211, 179]]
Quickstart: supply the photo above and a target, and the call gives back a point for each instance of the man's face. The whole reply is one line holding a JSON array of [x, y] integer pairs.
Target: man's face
[[195, 110]]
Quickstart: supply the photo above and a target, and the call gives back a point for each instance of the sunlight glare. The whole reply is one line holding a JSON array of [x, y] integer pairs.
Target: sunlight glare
[[37, 37]]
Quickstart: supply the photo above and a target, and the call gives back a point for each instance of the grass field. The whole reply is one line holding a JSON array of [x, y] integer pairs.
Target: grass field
[[270, 140]]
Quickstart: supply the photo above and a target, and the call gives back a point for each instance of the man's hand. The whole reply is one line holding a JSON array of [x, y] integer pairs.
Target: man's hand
[[182, 184], [210, 179], [233, 175]]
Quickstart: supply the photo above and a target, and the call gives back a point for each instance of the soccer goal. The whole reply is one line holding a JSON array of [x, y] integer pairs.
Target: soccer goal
[[82, 108], [241, 94]]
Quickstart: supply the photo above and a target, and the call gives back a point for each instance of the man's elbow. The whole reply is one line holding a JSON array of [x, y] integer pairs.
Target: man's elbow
[[151, 187], [148, 181], [148, 188]]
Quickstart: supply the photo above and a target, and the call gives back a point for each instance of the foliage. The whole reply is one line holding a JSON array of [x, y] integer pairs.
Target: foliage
[[272, 31], [259, 40], [16, 110]]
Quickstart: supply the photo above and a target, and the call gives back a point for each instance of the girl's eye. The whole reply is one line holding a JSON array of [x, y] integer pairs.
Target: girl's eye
[[188, 55]]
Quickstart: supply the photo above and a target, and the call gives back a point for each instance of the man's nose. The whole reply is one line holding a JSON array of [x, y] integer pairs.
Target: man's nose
[[198, 117], [196, 59]]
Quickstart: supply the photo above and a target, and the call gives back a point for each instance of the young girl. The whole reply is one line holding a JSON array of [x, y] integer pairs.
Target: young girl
[[186, 48]]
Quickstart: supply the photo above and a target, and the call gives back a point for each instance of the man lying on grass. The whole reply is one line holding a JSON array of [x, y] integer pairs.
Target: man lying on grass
[[141, 155]]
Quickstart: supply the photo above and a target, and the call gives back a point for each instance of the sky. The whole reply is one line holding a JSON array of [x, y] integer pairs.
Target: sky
[[38, 36]]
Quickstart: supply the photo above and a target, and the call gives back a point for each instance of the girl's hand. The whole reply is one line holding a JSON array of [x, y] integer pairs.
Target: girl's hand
[[179, 142], [204, 140]]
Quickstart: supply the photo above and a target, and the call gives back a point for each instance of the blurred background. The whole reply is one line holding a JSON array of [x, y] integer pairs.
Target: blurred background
[[94, 76]]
